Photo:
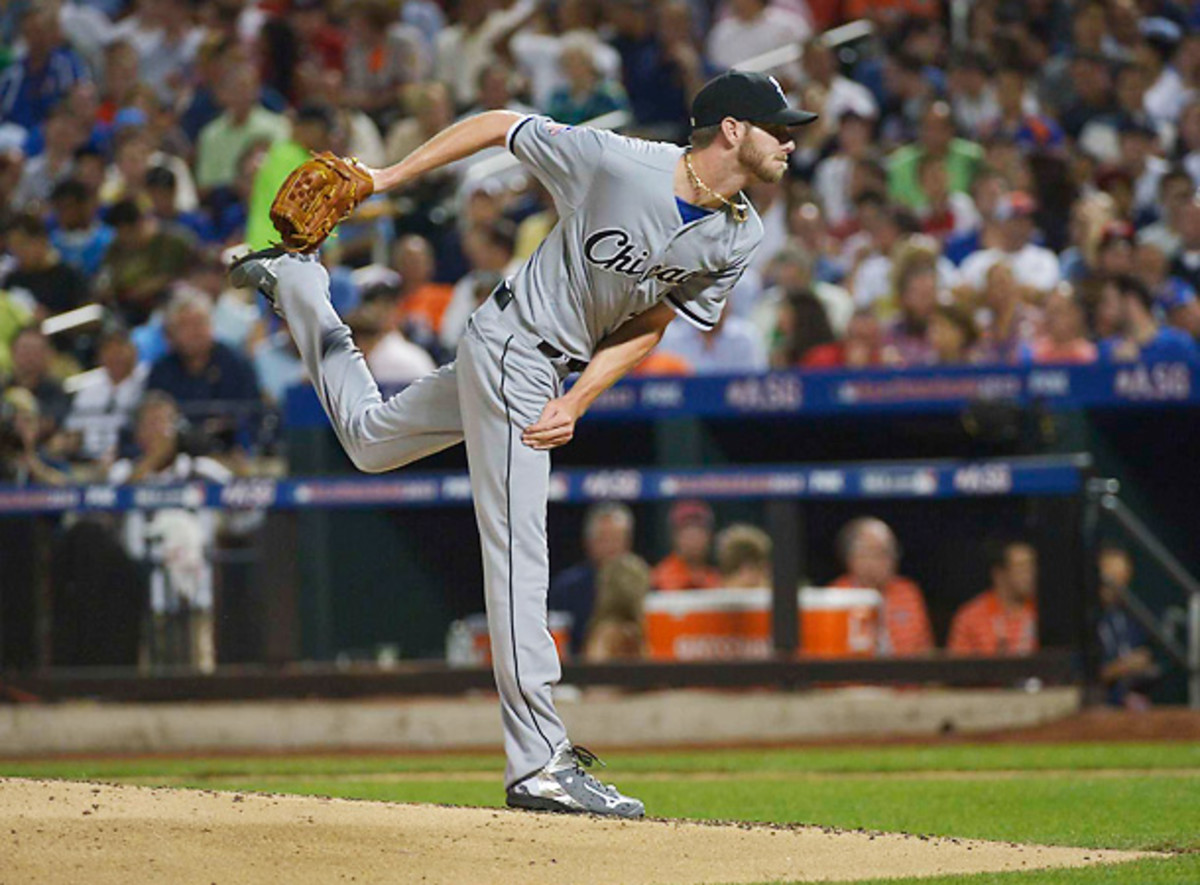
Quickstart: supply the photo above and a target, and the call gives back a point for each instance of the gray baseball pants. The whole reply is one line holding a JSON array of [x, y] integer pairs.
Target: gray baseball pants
[[497, 385]]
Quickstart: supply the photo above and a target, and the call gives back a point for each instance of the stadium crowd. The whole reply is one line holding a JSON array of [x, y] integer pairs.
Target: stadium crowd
[[1012, 185]]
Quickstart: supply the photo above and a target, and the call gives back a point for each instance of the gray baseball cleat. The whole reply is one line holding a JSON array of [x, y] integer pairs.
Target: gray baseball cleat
[[564, 786], [253, 271]]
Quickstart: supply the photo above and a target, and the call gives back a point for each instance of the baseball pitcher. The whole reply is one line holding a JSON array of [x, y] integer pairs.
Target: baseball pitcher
[[646, 232]]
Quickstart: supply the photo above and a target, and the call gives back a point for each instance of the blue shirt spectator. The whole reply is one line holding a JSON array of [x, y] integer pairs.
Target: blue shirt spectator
[[1140, 336], [215, 386], [36, 82]]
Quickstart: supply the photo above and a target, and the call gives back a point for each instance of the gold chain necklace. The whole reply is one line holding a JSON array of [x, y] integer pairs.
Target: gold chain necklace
[[739, 211]]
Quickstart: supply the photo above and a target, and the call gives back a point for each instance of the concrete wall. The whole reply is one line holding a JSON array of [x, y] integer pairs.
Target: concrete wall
[[597, 717]]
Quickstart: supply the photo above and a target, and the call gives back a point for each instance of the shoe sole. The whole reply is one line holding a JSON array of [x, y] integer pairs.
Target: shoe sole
[[241, 281], [537, 803]]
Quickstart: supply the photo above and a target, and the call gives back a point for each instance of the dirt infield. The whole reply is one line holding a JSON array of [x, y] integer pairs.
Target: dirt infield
[[67, 832]]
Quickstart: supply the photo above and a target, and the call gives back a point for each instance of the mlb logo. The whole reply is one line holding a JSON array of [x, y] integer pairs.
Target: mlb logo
[[553, 129]]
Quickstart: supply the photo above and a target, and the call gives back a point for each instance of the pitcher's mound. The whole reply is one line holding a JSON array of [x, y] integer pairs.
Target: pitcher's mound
[[68, 832]]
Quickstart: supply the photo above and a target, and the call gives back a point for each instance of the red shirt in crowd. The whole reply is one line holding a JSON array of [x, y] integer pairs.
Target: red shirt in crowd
[[675, 574], [904, 616], [984, 626]]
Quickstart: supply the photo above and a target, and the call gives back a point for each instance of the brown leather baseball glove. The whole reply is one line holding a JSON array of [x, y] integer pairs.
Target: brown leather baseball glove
[[319, 194]]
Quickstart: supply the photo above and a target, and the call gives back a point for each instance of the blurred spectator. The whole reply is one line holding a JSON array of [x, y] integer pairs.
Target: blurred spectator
[[1175, 190], [489, 249], [917, 297], [54, 285], [744, 557], [614, 631], [101, 409], [751, 28], [1018, 120], [496, 83], [952, 335], [1063, 339], [120, 80], [141, 264], [421, 302], [792, 271], [1127, 664], [166, 40], [537, 46], [312, 131], [871, 554], [1091, 85], [1186, 263], [883, 228], [164, 208], [1140, 161], [972, 93], [1035, 268], [31, 370], [662, 64], [1141, 336], [172, 542], [687, 567], [1009, 325], [945, 213], [607, 536], [354, 133], [213, 383], [801, 326], [16, 313], [64, 134], [936, 138], [277, 365], [586, 94], [23, 458], [78, 234], [1003, 619], [732, 346], [833, 177], [242, 122], [861, 348], [430, 110], [468, 43], [319, 41], [382, 55], [36, 81], [844, 98], [392, 358]]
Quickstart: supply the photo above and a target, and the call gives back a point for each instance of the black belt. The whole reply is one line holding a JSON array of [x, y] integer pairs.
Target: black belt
[[504, 297]]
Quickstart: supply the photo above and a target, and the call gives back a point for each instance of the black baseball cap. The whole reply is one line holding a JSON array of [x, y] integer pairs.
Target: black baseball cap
[[748, 96]]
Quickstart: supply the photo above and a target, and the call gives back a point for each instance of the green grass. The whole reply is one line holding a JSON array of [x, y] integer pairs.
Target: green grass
[[1127, 796]]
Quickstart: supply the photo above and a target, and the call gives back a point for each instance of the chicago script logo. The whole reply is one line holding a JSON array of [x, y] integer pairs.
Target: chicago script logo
[[613, 249]]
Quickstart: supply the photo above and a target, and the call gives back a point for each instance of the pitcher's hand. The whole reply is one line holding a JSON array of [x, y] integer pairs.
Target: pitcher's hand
[[556, 426]]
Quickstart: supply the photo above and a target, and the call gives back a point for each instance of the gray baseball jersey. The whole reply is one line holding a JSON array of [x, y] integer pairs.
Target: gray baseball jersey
[[619, 248]]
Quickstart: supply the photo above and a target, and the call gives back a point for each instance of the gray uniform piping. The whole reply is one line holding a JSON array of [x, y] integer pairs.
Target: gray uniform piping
[[512, 618]]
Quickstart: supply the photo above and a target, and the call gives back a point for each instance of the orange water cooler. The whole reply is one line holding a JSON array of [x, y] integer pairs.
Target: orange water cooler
[[729, 624]]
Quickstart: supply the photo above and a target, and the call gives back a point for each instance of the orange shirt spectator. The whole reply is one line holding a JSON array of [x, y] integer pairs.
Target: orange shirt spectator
[[422, 301], [662, 363], [871, 554], [904, 616], [985, 626], [1002, 620], [424, 306], [687, 566], [672, 573]]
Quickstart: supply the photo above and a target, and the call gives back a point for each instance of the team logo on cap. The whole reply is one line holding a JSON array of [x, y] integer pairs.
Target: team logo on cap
[[778, 88]]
